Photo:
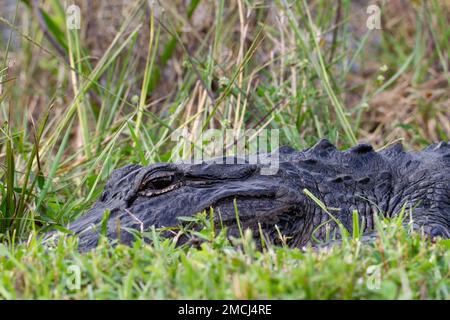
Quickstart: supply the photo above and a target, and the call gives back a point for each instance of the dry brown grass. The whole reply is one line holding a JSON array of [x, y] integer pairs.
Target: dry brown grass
[[425, 108], [422, 105]]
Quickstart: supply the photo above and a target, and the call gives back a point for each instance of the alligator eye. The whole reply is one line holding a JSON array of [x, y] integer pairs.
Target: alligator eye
[[160, 182]]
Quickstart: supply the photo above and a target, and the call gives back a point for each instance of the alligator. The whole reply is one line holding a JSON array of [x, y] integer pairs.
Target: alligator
[[312, 194]]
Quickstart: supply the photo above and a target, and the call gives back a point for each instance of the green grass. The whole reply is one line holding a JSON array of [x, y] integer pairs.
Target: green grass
[[397, 266], [73, 111]]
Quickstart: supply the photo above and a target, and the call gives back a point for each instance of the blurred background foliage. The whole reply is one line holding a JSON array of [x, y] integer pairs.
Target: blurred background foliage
[[77, 103]]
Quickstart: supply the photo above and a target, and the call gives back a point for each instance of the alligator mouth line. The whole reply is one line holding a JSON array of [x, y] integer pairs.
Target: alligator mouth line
[[248, 208]]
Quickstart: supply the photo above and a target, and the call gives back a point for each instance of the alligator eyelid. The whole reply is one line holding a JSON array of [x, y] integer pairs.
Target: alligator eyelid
[[154, 176], [158, 174], [153, 192]]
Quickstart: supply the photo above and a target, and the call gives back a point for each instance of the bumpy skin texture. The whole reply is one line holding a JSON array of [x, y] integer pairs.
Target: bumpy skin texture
[[357, 179]]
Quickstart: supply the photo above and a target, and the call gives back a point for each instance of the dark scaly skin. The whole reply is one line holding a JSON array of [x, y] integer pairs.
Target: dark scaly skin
[[357, 179]]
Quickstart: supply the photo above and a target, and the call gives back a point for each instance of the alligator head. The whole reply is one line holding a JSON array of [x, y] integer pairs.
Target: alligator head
[[357, 179]]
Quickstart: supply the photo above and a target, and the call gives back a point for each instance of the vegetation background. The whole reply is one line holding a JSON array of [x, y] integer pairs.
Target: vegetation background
[[77, 103]]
